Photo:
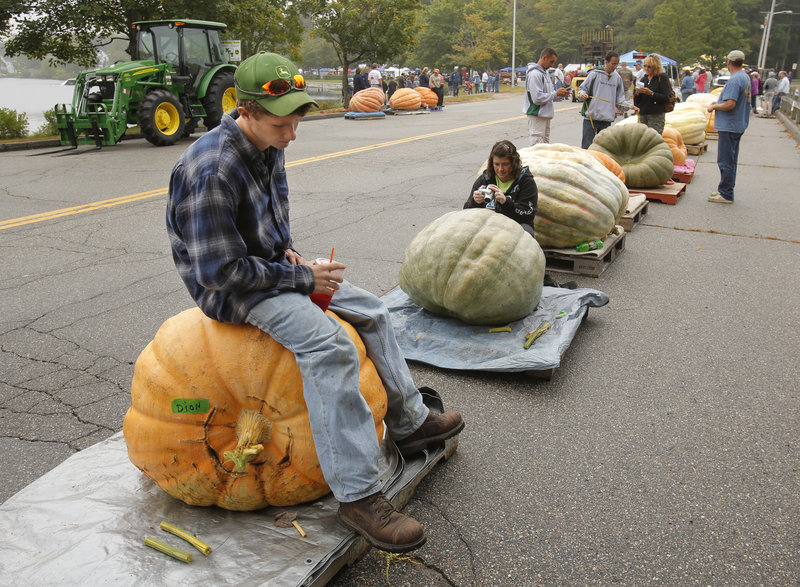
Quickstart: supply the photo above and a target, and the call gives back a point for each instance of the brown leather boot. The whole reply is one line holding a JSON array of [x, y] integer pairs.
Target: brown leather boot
[[436, 427], [379, 522]]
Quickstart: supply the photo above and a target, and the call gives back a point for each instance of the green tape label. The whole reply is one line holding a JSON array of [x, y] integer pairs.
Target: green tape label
[[190, 406]]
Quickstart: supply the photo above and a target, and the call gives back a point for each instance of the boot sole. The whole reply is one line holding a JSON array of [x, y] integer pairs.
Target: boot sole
[[379, 544], [414, 447]]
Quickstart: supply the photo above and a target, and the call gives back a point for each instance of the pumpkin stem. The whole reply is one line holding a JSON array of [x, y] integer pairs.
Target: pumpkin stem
[[253, 429]]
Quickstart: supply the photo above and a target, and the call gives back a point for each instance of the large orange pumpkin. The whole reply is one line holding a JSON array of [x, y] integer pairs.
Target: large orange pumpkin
[[405, 99], [368, 100], [217, 415], [429, 97], [674, 141], [609, 163]]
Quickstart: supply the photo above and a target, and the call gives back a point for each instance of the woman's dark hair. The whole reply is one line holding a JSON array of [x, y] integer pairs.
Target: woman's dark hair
[[505, 149]]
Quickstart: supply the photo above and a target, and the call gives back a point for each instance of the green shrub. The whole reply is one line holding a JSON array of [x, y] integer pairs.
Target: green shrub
[[50, 126], [329, 104], [13, 125]]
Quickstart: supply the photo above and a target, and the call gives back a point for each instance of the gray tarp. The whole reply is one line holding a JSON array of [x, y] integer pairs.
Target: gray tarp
[[84, 523], [451, 344]]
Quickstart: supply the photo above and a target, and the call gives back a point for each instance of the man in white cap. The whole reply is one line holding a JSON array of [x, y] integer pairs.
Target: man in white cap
[[228, 223], [730, 121]]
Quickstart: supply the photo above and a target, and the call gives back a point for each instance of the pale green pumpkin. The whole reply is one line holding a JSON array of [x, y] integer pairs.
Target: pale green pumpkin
[[579, 198], [641, 152], [475, 265]]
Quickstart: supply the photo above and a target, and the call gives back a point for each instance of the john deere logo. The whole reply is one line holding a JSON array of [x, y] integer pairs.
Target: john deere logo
[[282, 71]]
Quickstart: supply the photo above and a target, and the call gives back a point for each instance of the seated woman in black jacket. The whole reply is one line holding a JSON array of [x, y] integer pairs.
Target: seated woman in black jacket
[[513, 189], [652, 95]]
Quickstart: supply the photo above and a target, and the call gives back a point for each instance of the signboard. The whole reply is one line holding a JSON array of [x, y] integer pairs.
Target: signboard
[[233, 49]]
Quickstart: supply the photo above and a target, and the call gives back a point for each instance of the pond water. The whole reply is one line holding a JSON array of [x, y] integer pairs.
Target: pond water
[[33, 97]]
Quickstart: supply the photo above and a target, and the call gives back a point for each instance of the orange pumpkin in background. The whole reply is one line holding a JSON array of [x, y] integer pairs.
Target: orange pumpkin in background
[[367, 100], [609, 163], [217, 415], [429, 97], [405, 99], [674, 141]]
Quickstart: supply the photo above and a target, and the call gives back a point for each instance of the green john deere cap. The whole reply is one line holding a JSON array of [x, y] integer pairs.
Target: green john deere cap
[[272, 81]]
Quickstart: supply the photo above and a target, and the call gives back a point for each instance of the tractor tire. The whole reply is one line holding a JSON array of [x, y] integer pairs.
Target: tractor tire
[[220, 98], [161, 118]]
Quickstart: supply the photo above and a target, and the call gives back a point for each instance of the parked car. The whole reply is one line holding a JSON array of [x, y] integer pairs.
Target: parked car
[[720, 80]]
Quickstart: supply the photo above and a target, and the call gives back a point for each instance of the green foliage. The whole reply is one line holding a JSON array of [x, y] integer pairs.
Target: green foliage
[[370, 30], [50, 126], [264, 25], [317, 52], [13, 125], [685, 30], [71, 32], [476, 34]]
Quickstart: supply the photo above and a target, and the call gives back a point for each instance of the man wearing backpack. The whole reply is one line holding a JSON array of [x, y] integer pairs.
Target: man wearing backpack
[[603, 92], [539, 96]]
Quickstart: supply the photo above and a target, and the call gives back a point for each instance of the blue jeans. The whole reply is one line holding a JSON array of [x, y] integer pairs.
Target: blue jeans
[[727, 157], [341, 420], [589, 132]]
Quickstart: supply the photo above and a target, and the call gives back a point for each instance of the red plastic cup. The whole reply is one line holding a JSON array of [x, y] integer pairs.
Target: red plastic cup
[[323, 300]]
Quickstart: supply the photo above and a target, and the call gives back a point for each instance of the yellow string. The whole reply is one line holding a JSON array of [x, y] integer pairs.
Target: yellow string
[[392, 557]]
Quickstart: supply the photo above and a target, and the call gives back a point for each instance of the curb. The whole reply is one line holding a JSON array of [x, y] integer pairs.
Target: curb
[[47, 143], [790, 125]]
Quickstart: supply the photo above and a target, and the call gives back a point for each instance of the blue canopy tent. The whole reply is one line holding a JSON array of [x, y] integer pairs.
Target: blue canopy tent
[[630, 59], [670, 65]]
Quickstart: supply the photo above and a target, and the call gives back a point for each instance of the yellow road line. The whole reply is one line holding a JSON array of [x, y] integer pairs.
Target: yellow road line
[[11, 223], [53, 214], [396, 142]]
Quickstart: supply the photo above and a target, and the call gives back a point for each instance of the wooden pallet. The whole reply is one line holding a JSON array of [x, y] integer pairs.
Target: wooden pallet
[[683, 177], [697, 149], [632, 218], [712, 135], [407, 112], [666, 194], [589, 265]]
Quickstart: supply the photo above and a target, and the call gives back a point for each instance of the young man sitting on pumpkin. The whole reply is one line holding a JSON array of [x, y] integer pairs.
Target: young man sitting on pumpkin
[[228, 222]]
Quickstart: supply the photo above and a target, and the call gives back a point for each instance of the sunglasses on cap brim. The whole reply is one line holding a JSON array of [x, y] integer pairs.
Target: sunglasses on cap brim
[[277, 87]]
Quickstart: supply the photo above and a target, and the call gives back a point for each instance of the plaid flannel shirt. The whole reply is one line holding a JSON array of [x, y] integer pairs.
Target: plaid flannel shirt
[[228, 224]]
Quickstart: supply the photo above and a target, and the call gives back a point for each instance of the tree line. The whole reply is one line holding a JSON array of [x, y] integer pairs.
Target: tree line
[[441, 33]]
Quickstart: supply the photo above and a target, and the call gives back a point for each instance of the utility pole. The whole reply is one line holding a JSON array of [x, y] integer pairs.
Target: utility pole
[[762, 56], [514, 47]]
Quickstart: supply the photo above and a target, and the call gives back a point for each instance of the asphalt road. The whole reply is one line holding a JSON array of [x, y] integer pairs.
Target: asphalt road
[[666, 449]]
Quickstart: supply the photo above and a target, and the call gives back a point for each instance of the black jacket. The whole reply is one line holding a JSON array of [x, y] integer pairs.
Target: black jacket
[[654, 104], [521, 198]]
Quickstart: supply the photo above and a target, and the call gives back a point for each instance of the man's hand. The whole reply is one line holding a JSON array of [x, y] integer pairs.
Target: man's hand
[[583, 95], [562, 92], [295, 258], [327, 277]]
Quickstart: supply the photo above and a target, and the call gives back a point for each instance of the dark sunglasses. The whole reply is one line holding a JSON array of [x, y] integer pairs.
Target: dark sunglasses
[[278, 87]]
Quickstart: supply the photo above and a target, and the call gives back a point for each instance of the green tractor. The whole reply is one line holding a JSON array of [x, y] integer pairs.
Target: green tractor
[[181, 76]]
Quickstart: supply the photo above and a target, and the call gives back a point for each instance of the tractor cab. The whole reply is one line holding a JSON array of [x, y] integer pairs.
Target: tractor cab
[[191, 47]]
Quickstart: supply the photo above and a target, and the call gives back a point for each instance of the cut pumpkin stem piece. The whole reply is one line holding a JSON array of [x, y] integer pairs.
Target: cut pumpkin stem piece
[[193, 540]]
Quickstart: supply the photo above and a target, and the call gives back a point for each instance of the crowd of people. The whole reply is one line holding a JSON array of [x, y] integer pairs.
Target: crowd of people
[[606, 93], [366, 76], [764, 93]]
